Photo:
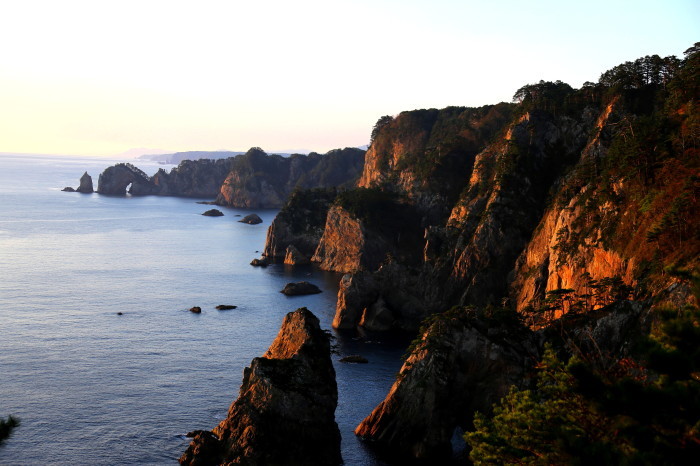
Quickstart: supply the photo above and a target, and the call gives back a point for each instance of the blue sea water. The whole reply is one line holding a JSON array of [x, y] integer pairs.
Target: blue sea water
[[94, 387]]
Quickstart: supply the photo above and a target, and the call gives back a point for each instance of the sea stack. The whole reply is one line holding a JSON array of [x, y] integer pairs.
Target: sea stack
[[85, 184], [285, 411]]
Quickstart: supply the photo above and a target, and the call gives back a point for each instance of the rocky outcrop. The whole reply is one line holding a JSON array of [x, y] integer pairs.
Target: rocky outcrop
[[300, 288], [114, 181], [85, 184], [285, 412], [342, 248], [295, 257], [251, 219], [192, 178], [461, 364], [213, 213], [393, 297], [251, 180], [465, 361], [258, 180], [428, 155], [300, 222]]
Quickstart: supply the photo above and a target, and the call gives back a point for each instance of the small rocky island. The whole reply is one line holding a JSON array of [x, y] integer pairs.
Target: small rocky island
[[300, 288], [285, 411], [251, 219], [213, 213]]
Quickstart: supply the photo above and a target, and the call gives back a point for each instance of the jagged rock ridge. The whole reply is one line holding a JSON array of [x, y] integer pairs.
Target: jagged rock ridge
[[285, 412]]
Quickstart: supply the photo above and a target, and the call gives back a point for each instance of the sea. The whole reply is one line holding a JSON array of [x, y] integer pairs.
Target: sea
[[100, 357]]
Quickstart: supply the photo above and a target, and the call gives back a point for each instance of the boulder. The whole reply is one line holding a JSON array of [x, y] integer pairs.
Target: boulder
[[294, 257], [251, 219], [225, 307], [285, 411], [300, 288], [213, 213], [85, 184], [262, 262], [196, 310]]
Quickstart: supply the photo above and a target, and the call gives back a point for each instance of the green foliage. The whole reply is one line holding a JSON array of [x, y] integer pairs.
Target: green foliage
[[624, 412], [545, 95], [306, 209], [370, 205], [594, 294], [382, 122], [544, 426], [649, 70], [7, 426]]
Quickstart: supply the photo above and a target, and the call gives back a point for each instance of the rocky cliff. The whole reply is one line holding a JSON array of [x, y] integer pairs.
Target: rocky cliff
[[259, 180], [553, 211], [285, 412], [251, 180], [466, 359], [300, 222]]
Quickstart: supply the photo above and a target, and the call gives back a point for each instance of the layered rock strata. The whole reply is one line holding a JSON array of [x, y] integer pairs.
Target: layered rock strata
[[285, 412]]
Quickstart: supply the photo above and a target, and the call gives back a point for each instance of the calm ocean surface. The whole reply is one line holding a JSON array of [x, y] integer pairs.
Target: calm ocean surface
[[93, 387]]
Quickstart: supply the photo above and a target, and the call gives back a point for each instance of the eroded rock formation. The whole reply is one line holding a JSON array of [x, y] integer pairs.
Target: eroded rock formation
[[285, 412], [114, 181], [251, 180], [85, 184]]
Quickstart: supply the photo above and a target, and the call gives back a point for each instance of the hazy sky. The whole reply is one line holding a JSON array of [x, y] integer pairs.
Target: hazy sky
[[98, 77]]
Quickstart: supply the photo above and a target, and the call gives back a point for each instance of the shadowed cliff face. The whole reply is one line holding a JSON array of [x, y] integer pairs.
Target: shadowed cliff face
[[258, 180], [251, 180], [427, 155], [300, 222], [285, 412], [464, 361], [114, 180], [201, 178]]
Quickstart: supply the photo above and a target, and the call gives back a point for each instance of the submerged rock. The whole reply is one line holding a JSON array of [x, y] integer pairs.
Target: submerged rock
[[285, 411], [300, 288], [356, 358], [68, 189], [213, 213], [196, 310], [251, 219], [225, 307]]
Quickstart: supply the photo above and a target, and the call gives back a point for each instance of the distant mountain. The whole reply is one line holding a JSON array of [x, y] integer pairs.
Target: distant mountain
[[138, 152], [177, 157]]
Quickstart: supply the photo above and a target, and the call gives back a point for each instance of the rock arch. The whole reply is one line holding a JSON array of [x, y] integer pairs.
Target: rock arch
[[114, 180]]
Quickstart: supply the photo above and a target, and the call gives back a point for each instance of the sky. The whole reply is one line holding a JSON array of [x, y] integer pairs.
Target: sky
[[100, 77]]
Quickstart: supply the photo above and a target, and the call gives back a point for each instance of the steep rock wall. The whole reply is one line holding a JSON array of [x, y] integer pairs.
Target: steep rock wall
[[427, 155], [460, 365]]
